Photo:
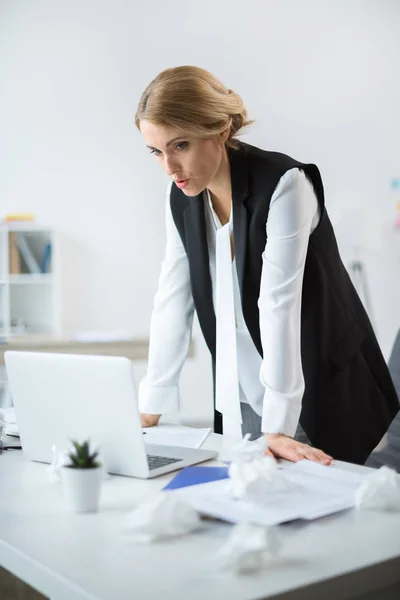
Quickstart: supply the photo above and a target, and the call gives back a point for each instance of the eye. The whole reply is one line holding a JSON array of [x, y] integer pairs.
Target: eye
[[182, 146], [155, 152]]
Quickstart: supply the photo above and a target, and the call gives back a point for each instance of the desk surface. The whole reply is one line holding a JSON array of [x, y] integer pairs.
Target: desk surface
[[76, 557]]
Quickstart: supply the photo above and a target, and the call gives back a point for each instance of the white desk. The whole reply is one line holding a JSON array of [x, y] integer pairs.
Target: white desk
[[82, 557]]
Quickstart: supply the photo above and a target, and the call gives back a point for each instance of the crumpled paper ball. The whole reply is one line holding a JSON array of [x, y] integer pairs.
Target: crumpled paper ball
[[380, 489], [59, 460], [249, 548], [166, 516], [253, 476]]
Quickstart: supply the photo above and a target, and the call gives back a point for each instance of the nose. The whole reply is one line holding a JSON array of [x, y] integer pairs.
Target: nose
[[170, 166]]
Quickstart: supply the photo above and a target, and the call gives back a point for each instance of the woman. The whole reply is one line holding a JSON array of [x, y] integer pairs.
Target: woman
[[250, 247]]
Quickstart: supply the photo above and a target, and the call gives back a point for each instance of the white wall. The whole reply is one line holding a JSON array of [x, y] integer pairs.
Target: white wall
[[320, 77]]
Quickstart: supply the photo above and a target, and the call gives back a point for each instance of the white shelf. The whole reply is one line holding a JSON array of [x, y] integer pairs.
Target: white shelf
[[31, 279], [20, 226], [28, 300]]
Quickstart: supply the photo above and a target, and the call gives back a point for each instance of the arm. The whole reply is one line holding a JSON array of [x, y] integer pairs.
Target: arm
[[170, 328], [292, 216]]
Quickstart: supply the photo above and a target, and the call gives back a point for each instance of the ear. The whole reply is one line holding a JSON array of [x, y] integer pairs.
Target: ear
[[224, 135]]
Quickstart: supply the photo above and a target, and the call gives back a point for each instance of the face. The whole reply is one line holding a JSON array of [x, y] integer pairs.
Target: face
[[191, 162]]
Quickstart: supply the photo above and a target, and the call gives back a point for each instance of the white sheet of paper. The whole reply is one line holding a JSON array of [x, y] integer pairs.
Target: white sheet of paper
[[319, 491], [176, 435]]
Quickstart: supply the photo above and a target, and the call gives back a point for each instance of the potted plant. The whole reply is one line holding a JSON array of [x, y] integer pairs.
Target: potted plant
[[81, 478]]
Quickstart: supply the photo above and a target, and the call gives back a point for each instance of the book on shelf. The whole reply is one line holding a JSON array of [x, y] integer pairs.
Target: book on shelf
[[23, 260], [13, 255], [27, 254], [46, 258]]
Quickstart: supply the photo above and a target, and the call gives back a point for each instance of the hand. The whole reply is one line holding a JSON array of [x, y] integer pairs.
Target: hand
[[282, 446], [149, 420]]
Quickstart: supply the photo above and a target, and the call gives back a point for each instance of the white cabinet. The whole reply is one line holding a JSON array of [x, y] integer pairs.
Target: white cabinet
[[28, 281], [29, 298]]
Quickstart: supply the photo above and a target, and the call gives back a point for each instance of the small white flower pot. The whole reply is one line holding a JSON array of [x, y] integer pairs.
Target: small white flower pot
[[81, 488]]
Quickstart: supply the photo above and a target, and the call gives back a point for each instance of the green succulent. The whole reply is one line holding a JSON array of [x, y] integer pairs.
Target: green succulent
[[81, 457]]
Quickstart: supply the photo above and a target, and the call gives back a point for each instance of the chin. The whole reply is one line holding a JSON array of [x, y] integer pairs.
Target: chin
[[192, 191]]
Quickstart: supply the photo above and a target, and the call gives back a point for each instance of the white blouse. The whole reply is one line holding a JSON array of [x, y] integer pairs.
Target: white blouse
[[274, 385]]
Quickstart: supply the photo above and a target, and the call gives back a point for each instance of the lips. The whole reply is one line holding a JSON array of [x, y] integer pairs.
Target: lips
[[181, 183]]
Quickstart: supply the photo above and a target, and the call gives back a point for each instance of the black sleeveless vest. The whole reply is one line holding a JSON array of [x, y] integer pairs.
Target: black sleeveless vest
[[349, 399]]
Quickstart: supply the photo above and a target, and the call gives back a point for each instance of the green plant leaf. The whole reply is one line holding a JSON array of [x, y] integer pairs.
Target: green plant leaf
[[81, 457]]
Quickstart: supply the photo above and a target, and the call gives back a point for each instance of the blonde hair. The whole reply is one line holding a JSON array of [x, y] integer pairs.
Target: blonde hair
[[193, 100]]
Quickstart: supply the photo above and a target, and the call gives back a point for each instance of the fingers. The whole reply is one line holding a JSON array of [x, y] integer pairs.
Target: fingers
[[308, 453], [294, 455], [289, 452], [149, 420], [316, 455], [290, 449]]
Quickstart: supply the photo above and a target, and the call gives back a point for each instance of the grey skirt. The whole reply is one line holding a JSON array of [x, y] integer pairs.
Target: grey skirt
[[252, 425]]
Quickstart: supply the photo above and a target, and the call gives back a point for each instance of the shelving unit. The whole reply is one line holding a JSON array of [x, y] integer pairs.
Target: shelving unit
[[29, 301]]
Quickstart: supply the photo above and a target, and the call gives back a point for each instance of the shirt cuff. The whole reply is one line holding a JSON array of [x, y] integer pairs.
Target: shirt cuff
[[280, 414], [156, 399]]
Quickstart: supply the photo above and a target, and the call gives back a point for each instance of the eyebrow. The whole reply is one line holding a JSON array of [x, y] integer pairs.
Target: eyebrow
[[180, 137]]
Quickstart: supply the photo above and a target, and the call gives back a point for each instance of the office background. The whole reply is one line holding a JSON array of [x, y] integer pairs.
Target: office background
[[320, 77]]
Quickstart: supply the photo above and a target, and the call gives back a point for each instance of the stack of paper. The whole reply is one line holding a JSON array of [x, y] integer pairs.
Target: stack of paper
[[175, 435], [11, 427], [316, 491]]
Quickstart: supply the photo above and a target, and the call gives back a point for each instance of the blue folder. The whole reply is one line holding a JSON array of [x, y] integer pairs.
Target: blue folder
[[195, 475]]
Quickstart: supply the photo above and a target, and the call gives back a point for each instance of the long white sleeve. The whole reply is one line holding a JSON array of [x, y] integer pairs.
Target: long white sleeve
[[293, 215], [170, 327]]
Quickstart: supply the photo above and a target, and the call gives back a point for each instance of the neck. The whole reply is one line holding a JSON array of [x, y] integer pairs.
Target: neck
[[221, 190]]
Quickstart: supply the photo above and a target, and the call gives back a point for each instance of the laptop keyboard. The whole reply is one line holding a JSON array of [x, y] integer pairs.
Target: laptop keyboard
[[160, 461]]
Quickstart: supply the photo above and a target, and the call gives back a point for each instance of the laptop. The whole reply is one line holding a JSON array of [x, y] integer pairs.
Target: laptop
[[59, 397]]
